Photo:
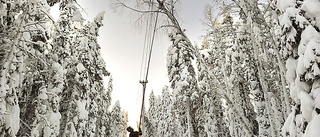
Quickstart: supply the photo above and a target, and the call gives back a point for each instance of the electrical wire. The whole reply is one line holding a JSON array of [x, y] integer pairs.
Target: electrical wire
[[145, 81]]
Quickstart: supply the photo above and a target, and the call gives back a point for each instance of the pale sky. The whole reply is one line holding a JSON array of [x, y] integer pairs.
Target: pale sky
[[122, 47]]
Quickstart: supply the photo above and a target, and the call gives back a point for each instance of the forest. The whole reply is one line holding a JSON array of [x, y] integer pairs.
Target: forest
[[256, 72]]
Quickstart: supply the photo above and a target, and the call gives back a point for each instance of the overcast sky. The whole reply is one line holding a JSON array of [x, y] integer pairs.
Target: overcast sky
[[122, 48]]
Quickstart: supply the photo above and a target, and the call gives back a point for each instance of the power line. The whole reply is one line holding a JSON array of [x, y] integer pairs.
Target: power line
[[145, 81]]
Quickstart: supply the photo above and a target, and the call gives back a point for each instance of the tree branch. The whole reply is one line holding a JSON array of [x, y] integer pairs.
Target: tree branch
[[136, 10]]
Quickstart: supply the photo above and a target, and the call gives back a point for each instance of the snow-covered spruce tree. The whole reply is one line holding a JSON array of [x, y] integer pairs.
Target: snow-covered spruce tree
[[124, 122], [160, 118], [240, 109], [210, 60], [210, 114], [166, 123], [267, 81], [146, 124], [77, 46], [153, 114], [33, 71], [92, 60], [299, 22], [118, 121], [11, 66], [237, 91], [25, 63], [104, 112], [62, 44], [205, 114], [108, 93], [249, 69], [220, 37], [73, 106], [183, 82]]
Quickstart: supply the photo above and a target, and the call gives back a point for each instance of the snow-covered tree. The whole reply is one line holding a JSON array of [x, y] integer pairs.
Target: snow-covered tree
[[210, 115], [76, 44], [268, 86], [105, 120], [166, 120], [210, 61], [299, 46], [238, 95], [224, 75], [26, 27], [250, 75], [146, 124], [152, 115], [250, 49], [44, 70], [183, 82], [118, 121]]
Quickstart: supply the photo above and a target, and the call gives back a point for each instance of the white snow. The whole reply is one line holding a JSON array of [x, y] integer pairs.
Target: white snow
[[3, 90], [54, 120], [299, 123], [100, 16], [26, 35], [313, 127], [83, 43], [290, 12], [13, 119], [301, 86], [77, 16], [291, 64], [316, 70], [308, 34], [43, 96], [57, 67], [308, 57], [301, 66], [311, 7], [80, 68], [81, 107], [314, 45], [306, 105], [70, 130], [3, 12], [56, 91], [317, 21], [316, 96], [294, 92]]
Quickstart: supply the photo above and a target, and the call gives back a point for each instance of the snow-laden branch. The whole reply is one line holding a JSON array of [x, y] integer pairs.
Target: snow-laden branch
[[34, 56]]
